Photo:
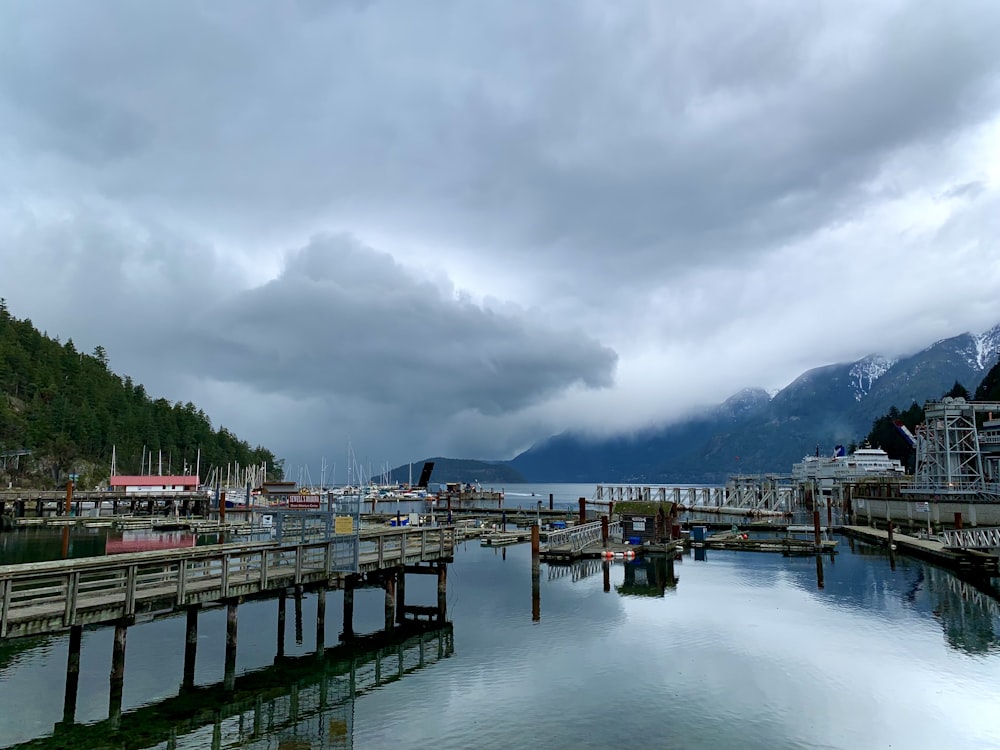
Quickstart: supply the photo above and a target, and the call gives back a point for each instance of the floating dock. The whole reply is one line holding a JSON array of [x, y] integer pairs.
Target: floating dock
[[931, 550]]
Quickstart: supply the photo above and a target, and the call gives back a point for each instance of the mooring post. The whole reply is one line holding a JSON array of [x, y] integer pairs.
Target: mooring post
[[536, 589], [442, 603], [320, 621], [606, 566], [400, 595], [232, 607], [829, 512], [583, 510], [535, 540], [282, 597], [503, 520], [298, 614], [69, 498], [892, 552], [551, 506], [117, 675], [389, 584], [348, 607], [222, 508], [816, 528], [72, 674], [190, 647], [604, 531]]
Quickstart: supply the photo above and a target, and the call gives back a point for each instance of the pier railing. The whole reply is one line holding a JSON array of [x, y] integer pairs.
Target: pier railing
[[53, 596], [578, 537], [975, 538]]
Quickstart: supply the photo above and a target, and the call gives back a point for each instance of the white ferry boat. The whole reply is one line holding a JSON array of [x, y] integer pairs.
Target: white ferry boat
[[863, 463]]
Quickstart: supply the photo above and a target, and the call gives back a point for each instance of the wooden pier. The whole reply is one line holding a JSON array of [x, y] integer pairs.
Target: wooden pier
[[50, 597], [962, 560]]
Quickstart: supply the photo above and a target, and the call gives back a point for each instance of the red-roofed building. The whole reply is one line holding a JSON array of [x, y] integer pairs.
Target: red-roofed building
[[127, 483]]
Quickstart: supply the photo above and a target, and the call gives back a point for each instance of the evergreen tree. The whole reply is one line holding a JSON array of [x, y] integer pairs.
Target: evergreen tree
[[70, 410]]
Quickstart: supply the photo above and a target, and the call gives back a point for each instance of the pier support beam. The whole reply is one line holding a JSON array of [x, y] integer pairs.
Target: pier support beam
[[320, 621], [442, 592], [349, 586], [72, 674], [282, 597], [389, 584], [232, 608], [117, 675], [190, 647], [298, 616], [400, 595]]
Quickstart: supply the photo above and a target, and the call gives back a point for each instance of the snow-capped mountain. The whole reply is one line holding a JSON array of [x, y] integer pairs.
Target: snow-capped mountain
[[866, 371], [755, 431]]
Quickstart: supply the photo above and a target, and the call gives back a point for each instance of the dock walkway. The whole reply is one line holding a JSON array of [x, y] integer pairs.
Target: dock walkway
[[928, 549], [49, 597]]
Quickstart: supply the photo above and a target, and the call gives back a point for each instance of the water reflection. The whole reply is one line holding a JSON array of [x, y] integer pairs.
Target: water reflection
[[298, 702], [648, 577]]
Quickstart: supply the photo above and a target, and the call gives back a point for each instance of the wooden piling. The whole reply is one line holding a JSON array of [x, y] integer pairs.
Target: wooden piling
[[816, 533], [551, 506], [69, 497], [232, 609], [442, 592], [583, 510], [190, 647], [72, 674], [536, 589], [891, 544], [282, 598], [389, 584], [958, 521], [348, 628], [535, 540], [117, 675], [400, 595], [320, 621], [299, 638], [606, 567], [604, 531], [819, 571]]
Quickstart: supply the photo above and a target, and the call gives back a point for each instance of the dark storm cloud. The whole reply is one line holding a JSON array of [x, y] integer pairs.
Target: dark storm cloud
[[653, 198], [547, 130], [344, 320]]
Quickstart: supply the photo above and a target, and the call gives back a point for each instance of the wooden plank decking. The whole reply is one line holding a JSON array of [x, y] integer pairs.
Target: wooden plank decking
[[48, 597]]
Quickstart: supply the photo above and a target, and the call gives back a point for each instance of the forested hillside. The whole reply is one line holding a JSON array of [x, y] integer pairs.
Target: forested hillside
[[69, 409]]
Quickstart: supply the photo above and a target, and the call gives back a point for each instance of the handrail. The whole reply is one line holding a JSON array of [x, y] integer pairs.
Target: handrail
[[52, 596]]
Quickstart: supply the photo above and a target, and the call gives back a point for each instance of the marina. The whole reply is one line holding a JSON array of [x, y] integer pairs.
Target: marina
[[703, 619]]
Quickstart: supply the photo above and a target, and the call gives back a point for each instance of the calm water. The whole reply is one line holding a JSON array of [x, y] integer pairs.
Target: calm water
[[732, 650]]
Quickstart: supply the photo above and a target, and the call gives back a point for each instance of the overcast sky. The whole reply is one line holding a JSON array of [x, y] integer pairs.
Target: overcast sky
[[445, 228]]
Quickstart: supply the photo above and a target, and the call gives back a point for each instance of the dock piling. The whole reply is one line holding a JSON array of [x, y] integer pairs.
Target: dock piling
[[232, 608], [320, 621], [389, 584], [282, 599], [349, 584], [190, 646], [72, 674], [117, 675]]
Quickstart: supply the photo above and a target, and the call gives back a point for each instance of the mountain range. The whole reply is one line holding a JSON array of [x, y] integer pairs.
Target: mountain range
[[754, 432]]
